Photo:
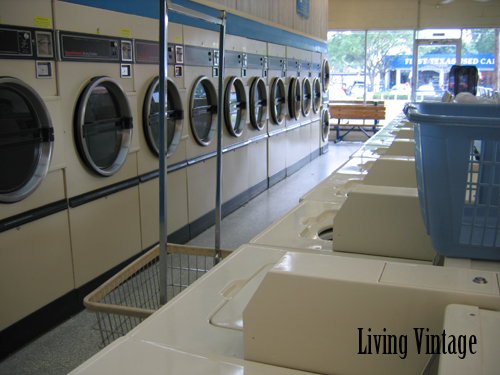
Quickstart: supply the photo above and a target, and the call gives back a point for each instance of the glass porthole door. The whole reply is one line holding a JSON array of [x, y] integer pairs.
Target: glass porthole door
[[235, 104], [151, 117], [316, 95], [26, 140], [203, 111], [278, 101], [325, 125], [325, 75], [294, 98], [306, 97], [258, 103], [103, 126]]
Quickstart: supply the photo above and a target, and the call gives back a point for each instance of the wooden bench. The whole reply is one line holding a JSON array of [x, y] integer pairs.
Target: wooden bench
[[355, 110]]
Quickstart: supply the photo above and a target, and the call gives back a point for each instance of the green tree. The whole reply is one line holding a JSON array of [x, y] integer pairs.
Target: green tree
[[383, 47], [478, 41], [347, 51]]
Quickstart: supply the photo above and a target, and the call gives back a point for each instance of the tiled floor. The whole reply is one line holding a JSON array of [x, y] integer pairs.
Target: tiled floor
[[73, 342]]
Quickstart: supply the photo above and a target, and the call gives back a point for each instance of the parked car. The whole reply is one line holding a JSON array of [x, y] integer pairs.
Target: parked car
[[357, 89], [428, 91], [401, 89]]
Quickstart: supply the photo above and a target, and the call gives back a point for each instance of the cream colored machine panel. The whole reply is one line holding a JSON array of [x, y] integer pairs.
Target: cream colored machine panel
[[185, 321], [90, 21], [130, 357], [257, 166], [384, 221], [293, 146], [401, 147], [309, 227], [470, 321], [342, 307], [11, 13], [276, 50], [193, 37], [235, 173], [393, 171], [276, 153], [104, 233], [51, 190], [36, 266], [405, 134], [334, 188], [177, 215], [302, 228], [201, 190], [315, 129]]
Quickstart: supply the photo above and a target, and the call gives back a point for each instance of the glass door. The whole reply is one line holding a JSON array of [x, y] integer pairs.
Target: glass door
[[432, 61]]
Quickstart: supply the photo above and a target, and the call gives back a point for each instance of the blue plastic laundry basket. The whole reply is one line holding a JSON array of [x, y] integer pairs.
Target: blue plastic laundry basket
[[457, 155]]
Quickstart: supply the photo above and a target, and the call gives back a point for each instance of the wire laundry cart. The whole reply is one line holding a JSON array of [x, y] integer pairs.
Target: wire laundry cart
[[132, 295]]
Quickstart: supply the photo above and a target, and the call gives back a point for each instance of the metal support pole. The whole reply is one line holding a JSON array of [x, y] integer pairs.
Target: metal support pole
[[218, 194], [163, 151], [165, 6]]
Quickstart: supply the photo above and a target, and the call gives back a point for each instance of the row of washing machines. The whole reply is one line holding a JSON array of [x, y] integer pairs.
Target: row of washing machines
[[79, 105], [345, 283]]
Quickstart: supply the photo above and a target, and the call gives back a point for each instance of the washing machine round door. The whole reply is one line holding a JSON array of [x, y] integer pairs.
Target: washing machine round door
[[151, 117], [325, 75], [258, 103], [235, 104], [103, 126], [278, 101], [294, 98], [316, 100], [306, 97], [26, 140], [203, 111], [325, 125]]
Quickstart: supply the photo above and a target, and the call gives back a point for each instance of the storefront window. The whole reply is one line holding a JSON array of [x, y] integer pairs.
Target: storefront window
[[362, 62], [478, 49]]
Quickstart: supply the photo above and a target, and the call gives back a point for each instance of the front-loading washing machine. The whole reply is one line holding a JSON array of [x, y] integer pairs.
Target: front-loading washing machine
[[319, 108], [35, 251], [258, 116], [309, 127], [296, 137], [277, 113], [235, 116], [201, 71], [98, 106], [325, 77], [245, 117], [146, 84]]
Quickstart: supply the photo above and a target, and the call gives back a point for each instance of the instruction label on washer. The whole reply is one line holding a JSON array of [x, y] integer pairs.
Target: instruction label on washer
[[42, 22]]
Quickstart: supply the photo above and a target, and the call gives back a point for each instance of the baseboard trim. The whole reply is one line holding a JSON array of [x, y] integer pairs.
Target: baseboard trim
[[296, 166], [277, 177]]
